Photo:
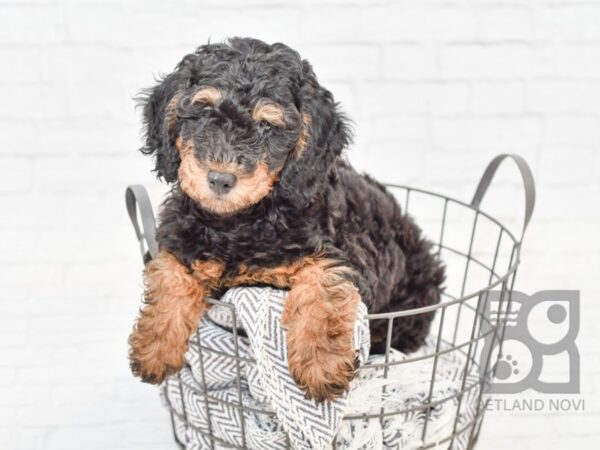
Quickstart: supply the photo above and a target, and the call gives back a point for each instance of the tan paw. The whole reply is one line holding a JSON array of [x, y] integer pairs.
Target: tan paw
[[323, 375], [153, 359]]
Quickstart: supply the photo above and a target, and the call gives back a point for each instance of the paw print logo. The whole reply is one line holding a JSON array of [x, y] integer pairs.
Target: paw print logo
[[539, 328], [507, 367]]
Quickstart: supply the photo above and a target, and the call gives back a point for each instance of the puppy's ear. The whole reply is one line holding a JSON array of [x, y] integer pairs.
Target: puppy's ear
[[324, 135], [160, 125]]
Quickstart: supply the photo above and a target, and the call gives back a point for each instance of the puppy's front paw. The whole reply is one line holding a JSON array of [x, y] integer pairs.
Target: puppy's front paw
[[155, 374], [173, 306], [153, 359], [319, 314], [323, 375]]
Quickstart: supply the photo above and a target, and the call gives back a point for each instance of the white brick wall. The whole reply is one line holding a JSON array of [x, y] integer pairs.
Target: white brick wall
[[436, 88]]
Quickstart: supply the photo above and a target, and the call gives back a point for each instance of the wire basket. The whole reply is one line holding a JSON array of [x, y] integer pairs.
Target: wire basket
[[481, 257]]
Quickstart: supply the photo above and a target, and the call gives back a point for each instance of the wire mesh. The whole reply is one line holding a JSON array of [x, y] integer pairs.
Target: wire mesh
[[481, 257]]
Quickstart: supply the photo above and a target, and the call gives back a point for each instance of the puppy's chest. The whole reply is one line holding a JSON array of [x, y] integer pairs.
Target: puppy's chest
[[244, 250], [279, 276], [269, 261], [274, 267]]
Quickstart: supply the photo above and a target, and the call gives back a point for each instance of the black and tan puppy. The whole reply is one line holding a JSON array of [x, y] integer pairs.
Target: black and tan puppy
[[252, 144]]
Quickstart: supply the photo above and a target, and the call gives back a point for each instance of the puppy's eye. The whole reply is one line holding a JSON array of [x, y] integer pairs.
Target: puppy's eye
[[206, 109], [197, 113], [202, 107], [265, 126]]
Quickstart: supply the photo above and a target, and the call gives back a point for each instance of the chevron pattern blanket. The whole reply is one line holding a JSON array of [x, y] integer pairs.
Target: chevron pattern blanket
[[206, 394]]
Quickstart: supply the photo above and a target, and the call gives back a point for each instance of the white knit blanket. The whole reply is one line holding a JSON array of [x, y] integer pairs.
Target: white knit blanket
[[275, 412]]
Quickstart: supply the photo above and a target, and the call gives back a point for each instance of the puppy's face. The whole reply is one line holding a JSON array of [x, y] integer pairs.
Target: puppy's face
[[234, 139], [236, 121]]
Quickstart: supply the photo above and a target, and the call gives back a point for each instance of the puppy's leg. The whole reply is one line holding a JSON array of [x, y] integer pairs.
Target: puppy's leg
[[319, 314], [173, 306]]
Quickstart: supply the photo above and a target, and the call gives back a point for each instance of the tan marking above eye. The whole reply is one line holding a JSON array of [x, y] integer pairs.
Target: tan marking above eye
[[269, 112], [208, 95]]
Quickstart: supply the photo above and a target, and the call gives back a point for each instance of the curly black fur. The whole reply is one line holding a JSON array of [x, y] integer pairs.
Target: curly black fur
[[320, 205]]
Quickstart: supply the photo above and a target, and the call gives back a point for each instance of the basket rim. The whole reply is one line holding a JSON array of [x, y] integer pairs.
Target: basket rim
[[460, 202]]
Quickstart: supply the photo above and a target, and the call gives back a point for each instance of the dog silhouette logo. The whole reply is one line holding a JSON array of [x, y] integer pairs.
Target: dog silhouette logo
[[540, 333]]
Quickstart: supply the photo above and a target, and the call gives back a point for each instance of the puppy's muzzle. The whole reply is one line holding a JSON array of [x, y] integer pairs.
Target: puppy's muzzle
[[221, 182]]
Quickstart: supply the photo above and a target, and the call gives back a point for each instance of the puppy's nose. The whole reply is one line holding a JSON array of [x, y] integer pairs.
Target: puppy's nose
[[221, 182]]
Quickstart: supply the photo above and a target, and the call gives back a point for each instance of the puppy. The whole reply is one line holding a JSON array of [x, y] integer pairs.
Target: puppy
[[252, 145]]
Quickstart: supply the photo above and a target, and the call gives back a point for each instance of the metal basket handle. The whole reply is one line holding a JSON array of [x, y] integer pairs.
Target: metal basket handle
[[136, 195], [528, 184]]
